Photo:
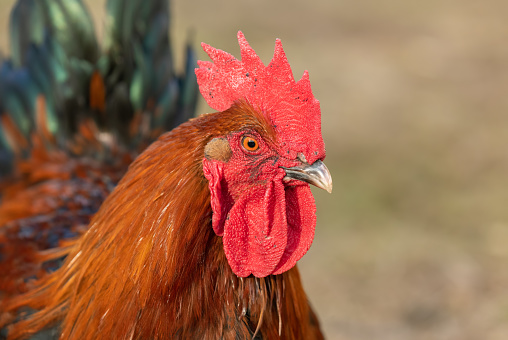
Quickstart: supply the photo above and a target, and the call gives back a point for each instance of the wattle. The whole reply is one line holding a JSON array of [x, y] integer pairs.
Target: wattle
[[269, 228]]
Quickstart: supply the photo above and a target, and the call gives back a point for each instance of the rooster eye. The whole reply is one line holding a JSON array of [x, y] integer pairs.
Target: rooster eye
[[250, 144]]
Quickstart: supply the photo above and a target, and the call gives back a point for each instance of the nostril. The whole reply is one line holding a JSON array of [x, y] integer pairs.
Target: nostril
[[301, 158]]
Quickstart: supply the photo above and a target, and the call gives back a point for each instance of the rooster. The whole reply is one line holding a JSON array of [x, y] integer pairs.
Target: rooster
[[199, 239]]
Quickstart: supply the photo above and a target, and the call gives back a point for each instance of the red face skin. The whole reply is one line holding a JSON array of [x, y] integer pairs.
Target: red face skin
[[267, 224]]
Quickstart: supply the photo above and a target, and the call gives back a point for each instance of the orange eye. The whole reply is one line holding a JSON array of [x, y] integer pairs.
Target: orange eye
[[250, 144]]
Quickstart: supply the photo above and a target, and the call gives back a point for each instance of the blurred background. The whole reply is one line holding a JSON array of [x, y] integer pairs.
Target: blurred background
[[413, 242]]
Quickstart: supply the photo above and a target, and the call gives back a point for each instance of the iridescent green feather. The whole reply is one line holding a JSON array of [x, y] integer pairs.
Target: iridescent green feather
[[55, 52]]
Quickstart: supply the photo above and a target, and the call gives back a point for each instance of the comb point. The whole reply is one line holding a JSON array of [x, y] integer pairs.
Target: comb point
[[247, 53]]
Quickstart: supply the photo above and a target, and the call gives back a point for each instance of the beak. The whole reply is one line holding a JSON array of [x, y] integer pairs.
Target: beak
[[316, 174]]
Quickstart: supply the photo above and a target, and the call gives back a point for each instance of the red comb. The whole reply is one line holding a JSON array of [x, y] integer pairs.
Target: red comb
[[290, 105]]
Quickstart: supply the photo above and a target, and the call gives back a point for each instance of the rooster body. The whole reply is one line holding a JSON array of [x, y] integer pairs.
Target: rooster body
[[199, 238]]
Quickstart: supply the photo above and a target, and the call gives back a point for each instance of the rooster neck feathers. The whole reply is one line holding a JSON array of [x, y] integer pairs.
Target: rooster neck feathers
[[151, 255]]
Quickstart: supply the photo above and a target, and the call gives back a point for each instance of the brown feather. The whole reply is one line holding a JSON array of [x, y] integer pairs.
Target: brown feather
[[150, 265]]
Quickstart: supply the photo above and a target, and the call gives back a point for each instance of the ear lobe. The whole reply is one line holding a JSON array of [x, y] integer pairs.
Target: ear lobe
[[218, 149], [220, 200]]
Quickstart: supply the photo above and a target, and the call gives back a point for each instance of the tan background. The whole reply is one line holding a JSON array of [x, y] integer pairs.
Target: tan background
[[413, 243]]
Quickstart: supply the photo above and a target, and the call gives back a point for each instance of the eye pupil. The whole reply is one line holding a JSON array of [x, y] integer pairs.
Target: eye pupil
[[251, 144]]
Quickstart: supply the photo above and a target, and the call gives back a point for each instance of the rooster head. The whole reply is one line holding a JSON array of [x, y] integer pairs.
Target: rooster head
[[259, 175]]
